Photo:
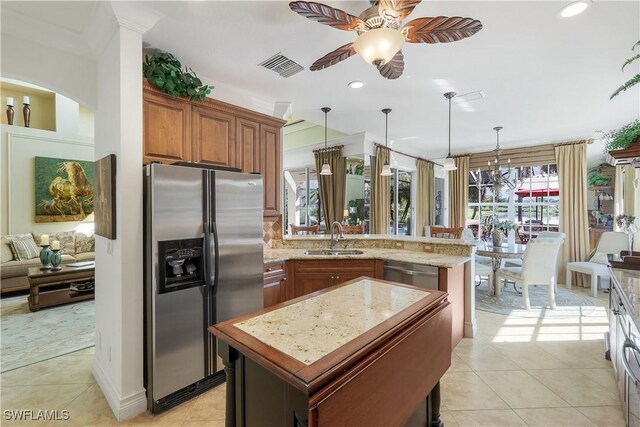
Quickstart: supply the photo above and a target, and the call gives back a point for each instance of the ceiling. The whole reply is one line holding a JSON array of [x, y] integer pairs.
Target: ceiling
[[545, 79]]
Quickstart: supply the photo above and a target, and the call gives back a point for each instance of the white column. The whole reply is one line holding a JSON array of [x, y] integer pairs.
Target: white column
[[118, 360]]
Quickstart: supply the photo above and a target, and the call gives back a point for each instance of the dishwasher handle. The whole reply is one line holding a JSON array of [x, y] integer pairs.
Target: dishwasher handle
[[411, 272]]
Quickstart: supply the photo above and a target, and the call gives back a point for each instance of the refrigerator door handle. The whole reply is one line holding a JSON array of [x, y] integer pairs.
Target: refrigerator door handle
[[216, 263]]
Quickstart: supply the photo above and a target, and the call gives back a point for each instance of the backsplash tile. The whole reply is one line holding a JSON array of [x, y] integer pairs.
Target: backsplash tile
[[271, 231]]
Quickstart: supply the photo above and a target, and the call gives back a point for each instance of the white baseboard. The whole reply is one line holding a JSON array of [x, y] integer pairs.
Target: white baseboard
[[123, 408]]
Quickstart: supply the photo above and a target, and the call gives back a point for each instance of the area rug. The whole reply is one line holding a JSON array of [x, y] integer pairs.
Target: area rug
[[569, 303], [29, 337]]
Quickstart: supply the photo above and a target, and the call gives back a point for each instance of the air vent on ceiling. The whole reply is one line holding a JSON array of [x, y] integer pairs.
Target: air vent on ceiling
[[282, 65]]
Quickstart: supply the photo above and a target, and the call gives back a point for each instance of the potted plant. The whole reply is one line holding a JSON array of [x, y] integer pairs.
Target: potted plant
[[595, 177], [164, 71], [622, 138], [498, 229]]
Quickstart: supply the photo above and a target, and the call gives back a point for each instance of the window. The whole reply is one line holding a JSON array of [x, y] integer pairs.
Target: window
[[400, 224], [534, 203], [301, 198]]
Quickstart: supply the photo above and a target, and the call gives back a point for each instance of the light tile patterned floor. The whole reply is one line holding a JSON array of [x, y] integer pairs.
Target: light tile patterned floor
[[520, 370]]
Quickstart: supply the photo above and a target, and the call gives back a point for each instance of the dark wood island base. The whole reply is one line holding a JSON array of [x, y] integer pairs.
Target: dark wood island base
[[387, 376]]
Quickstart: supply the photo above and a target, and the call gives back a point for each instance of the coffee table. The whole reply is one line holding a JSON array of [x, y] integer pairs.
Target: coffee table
[[47, 298]]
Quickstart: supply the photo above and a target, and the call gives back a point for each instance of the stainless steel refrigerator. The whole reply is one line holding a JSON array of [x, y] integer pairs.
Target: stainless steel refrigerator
[[203, 255]]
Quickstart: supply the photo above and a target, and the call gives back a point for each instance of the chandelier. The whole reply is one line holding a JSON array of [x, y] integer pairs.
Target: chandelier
[[497, 177]]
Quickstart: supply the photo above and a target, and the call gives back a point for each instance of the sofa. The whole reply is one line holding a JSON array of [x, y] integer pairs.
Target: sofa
[[74, 247]]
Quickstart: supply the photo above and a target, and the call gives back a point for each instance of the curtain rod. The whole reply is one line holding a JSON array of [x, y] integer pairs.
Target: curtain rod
[[582, 141], [405, 154], [335, 147]]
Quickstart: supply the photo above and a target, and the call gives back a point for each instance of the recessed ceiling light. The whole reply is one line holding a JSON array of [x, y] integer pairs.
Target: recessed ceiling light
[[356, 84], [575, 8]]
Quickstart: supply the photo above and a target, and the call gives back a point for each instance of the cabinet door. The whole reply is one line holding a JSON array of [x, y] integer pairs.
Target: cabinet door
[[345, 277], [213, 137], [271, 168], [166, 129], [273, 290], [307, 283], [248, 136]]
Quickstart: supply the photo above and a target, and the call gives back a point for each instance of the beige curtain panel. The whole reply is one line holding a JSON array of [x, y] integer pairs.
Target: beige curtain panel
[[381, 196], [425, 195], [574, 221], [331, 186], [459, 192]]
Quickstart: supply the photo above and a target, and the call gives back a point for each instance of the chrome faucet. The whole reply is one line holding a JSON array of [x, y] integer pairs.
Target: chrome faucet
[[334, 239]]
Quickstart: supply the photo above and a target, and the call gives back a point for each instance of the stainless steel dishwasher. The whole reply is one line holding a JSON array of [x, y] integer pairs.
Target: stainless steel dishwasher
[[422, 276]]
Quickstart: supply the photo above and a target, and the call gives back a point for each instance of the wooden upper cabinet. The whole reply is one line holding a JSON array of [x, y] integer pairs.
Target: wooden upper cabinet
[[215, 133], [271, 168], [248, 137], [213, 137], [166, 129]]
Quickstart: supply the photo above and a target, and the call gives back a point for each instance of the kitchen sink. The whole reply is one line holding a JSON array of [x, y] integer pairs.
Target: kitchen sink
[[333, 252]]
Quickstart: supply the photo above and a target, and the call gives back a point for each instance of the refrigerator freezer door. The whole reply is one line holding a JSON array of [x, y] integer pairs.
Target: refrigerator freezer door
[[238, 225], [175, 211]]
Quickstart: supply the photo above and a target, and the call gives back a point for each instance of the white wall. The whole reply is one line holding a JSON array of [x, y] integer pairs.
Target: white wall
[[19, 146], [56, 70], [118, 361]]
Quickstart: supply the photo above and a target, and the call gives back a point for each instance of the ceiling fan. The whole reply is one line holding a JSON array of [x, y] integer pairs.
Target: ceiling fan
[[381, 33]]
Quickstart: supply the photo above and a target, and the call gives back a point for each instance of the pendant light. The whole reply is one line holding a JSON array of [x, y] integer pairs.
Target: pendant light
[[449, 164], [386, 169], [326, 168]]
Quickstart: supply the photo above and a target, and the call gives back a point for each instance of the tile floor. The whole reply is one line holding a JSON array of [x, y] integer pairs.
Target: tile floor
[[520, 370]]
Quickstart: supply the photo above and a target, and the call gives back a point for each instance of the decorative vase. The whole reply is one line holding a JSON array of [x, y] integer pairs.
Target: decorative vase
[[10, 114], [26, 113], [45, 257], [56, 259], [496, 237]]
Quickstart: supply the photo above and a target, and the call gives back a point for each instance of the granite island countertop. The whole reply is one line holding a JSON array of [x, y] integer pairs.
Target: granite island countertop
[[628, 282], [422, 258], [314, 327]]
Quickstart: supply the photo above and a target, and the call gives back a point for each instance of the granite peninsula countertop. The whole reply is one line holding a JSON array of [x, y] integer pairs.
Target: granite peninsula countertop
[[422, 258], [628, 282], [314, 327]]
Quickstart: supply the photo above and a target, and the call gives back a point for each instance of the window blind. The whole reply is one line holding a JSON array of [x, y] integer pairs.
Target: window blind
[[524, 156]]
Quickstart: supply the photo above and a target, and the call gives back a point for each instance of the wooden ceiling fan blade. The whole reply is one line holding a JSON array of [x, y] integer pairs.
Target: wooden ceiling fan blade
[[327, 15], [396, 9], [394, 68], [441, 29], [332, 58]]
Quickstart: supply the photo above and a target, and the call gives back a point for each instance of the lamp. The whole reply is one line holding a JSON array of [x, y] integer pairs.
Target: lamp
[[496, 176], [326, 168], [449, 163], [386, 169], [379, 46]]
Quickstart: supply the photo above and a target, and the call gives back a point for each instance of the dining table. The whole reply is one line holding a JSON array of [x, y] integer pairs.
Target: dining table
[[498, 254]]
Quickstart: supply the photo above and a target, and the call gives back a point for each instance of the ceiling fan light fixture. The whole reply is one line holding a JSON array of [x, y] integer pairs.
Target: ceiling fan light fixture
[[326, 168], [379, 44], [574, 8], [449, 165], [356, 84], [386, 170]]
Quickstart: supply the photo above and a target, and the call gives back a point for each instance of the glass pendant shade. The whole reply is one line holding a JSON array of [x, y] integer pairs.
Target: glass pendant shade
[[326, 169], [386, 170], [449, 164], [379, 44]]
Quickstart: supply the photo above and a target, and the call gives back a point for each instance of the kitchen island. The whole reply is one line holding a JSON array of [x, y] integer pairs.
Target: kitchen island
[[367, 352]]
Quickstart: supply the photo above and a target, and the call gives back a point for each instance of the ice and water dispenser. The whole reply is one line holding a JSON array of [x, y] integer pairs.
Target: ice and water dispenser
[[181, 264]]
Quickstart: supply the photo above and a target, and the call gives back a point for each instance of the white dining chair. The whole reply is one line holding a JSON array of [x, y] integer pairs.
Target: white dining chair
[[516, 262], [484, 270], [611, 242], [539, 255]]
